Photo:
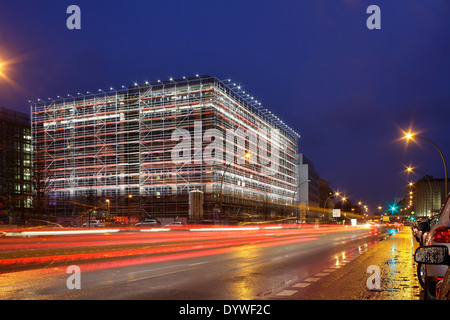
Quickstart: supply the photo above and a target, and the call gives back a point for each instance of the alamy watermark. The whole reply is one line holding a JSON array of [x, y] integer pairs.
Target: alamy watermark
[[240, 146], [74, 20], [74, 280], [374, 280]]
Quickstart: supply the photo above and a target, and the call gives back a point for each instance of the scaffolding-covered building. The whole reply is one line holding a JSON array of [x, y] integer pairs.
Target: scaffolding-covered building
[[143, 150]]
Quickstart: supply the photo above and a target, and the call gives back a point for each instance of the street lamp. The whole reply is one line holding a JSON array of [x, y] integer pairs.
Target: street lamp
[[247, 156], [107, 212], [331, 195], [130, 196], [411, 136], [293, 196], [298, 188]]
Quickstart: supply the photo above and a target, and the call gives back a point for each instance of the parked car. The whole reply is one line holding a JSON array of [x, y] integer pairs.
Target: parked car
[[174, 224], [436, 255], [118, 224], [426, 233], [420, 226], [94, 223], [439, 234], [147, 223], [414, 228], [201, 222], [422, 234]]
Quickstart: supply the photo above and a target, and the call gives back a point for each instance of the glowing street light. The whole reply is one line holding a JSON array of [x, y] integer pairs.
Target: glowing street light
[[108, 203], [331, 195], [410, 136]]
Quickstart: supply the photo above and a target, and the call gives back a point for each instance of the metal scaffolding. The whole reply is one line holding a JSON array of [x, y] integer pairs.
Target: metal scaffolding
[[146, 147]]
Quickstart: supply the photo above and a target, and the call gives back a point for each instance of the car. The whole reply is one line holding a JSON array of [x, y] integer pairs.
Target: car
[[426, 233], [118, 223], [147, 223], [436, 255], [174, 224], [439, 234], [93, 223], [201, 222], [422, 234], [420, 226]]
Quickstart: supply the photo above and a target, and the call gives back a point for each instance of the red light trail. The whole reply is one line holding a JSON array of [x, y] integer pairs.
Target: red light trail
[[109, 250]]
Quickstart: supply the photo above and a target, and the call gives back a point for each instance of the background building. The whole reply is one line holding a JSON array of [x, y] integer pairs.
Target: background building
[[15, 165], [425, 196], [112, 153], [309, 189], [325, 191]]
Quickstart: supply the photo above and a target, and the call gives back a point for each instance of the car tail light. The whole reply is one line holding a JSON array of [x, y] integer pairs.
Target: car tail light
[[442, 234]]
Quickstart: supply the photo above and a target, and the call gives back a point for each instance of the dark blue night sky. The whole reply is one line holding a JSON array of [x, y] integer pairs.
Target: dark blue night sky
[[346, 89]]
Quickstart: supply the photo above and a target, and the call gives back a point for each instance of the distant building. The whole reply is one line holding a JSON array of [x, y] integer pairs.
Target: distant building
[[324, 193], [308, 192], [425, 196], [15, 165]]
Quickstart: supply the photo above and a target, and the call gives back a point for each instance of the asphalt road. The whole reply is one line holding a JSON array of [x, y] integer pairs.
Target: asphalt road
[[303, 264]]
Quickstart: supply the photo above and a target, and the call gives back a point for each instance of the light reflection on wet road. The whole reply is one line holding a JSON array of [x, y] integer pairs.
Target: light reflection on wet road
[[398, 278]]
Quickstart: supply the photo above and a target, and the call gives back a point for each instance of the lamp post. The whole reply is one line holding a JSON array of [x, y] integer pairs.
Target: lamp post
[[331, 195], [247, 156], [130, 196], [411, 136], [107, 212], [293, 196]]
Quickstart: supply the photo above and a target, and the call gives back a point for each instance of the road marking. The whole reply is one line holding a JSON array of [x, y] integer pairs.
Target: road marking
[[154, 269], [286, 293], [325, 272], [160, 275], [302, 285], [196, 264], [312, 279]]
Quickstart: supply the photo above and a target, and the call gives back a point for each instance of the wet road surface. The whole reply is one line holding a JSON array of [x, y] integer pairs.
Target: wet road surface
[[307, 264]]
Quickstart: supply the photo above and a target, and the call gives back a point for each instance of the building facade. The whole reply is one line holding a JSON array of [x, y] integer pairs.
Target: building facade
[[325, 192], [309, 187], [16, 166], [425, 196], [142, 151]]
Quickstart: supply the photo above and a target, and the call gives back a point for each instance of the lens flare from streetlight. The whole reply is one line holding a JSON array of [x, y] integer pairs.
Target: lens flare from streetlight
[[409, 135], [5, 69]]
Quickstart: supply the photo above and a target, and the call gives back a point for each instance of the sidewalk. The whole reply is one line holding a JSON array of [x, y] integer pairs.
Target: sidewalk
[[398, 275]]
